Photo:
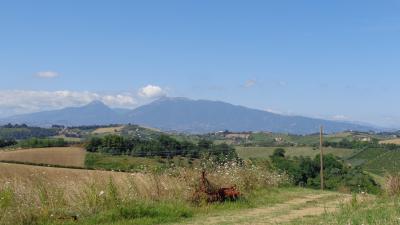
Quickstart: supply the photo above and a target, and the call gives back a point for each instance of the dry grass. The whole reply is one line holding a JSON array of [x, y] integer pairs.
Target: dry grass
[[30, 192], [105, 130], [74, 181], [395, 141], [63, 156], [34, 193], [392, 185]]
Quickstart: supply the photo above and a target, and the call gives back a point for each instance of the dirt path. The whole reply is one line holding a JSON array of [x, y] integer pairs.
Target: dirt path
[[302, 206]]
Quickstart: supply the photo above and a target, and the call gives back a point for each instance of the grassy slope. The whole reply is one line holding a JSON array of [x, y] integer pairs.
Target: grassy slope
[[265, 152], [377, 161]]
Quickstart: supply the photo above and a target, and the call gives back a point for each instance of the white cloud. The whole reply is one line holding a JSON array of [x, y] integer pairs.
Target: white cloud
[[47, 74], [151, 92], [249, 83], [25, 101]]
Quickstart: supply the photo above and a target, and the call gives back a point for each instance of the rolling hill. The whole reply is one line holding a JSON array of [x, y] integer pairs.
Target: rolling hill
[[185, 115]]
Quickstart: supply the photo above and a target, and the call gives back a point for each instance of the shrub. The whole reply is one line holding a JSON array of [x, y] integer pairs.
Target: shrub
[[306, 172]]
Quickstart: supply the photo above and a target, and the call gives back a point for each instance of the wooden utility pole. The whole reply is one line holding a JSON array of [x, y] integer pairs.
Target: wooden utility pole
[[321, 156]]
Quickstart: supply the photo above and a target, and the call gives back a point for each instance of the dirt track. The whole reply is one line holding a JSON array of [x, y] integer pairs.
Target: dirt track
[[302, 206]]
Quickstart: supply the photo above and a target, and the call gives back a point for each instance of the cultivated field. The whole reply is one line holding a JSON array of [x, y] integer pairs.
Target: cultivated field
[[395, 141], [105, 130], [266, 152], [62, 156]]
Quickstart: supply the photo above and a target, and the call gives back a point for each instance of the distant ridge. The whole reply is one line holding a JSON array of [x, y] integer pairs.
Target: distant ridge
[[185, 115]]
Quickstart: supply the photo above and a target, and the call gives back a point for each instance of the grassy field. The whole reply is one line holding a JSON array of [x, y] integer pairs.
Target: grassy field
[[61, 156], [265, 152]]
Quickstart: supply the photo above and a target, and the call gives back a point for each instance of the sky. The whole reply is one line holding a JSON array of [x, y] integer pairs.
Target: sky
[[328, 59]]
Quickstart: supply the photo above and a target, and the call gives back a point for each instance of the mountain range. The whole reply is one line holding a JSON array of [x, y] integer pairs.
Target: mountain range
[[185, 115]]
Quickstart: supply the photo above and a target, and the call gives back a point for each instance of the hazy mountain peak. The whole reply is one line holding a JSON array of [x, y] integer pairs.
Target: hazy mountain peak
[[96, 103]]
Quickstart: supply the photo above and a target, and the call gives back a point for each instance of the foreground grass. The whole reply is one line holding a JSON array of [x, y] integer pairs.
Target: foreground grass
[[372, 211], [43, 195], [143, 213], [162, 212]]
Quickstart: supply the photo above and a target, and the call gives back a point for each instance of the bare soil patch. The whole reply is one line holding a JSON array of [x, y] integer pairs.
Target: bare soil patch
[[105, 130]]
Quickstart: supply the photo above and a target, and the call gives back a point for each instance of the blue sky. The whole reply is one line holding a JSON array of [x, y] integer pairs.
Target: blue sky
[[329, 59]]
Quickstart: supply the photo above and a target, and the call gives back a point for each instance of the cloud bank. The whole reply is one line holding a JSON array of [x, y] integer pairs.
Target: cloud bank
[[14, 102], [23, 101]]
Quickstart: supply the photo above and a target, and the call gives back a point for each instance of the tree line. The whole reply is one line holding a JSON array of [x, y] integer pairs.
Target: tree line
[[42, 143], [164, 146], [22, 131], [7, 142]]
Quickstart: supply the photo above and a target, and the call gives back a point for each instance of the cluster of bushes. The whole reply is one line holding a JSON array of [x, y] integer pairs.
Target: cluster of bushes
[[23, 131], [306, 172], [7, 142], [164, 146], [42, 143]]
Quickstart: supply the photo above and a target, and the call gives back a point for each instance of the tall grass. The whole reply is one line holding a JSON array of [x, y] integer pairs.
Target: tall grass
[[392, 185], [39, 195]]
